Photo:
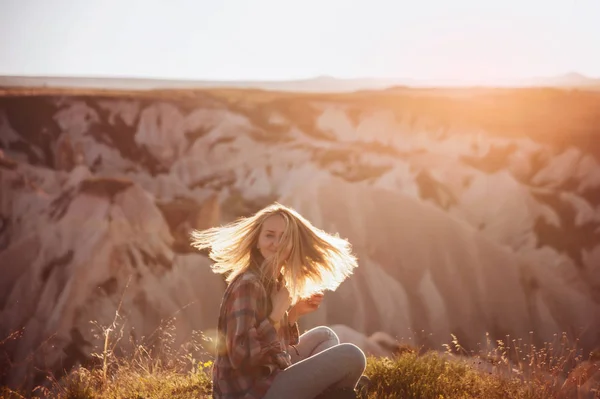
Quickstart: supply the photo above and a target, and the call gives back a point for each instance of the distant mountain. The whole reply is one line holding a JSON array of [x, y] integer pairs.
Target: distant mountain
[[316, 84], [571, 79]]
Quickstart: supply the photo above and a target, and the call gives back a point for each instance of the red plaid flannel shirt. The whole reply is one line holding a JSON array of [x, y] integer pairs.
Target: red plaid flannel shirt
[[250, 351]]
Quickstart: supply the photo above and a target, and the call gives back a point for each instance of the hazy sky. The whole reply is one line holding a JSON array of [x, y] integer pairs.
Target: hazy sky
[[281, 39]]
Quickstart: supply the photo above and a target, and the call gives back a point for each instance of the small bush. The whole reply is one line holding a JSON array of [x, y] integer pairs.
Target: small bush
[[433, 376]]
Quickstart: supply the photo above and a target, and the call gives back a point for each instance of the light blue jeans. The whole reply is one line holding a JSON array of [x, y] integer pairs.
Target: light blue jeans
[[323, 363]]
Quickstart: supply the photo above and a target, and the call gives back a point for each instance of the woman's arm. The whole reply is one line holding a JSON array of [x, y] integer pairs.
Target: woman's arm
[[248, 343], [293, 332]]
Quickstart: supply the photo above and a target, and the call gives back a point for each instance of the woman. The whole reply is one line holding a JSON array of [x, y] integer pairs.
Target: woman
[[278, 265]]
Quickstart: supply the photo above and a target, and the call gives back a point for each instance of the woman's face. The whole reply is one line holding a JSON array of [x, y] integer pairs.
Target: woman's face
[[270, 237]]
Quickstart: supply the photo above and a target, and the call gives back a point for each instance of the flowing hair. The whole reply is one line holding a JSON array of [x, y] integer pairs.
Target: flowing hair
[[318, 261]]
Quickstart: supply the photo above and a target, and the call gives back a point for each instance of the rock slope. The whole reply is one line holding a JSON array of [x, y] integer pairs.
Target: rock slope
[[471, 212]]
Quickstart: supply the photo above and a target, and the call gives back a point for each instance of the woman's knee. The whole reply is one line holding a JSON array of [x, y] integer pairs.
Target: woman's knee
[[353, 355], [324, 333]]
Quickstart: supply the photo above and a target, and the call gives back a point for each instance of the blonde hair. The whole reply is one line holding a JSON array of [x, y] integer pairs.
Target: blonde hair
[[318, 261]]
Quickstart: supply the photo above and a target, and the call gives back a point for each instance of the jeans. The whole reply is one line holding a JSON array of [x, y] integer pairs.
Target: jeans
[[323, 363]]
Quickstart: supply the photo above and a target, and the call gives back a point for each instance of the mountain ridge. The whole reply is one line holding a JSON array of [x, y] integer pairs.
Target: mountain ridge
[[321, 83]]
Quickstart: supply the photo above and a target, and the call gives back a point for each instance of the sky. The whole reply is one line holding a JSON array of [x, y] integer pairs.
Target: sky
[[282, 40]]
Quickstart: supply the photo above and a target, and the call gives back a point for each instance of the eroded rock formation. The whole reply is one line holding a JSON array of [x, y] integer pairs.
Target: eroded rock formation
[[466, 219]]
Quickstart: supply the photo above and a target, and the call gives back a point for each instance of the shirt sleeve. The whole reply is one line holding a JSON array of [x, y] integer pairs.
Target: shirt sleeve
[[248, 342]]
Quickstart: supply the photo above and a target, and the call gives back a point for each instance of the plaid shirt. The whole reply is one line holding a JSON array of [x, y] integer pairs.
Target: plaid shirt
[[250, 351]]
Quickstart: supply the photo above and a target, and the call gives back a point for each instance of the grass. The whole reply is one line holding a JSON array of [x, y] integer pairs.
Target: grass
[[157, 368], [126, 383], [177, 374], [433, 376], [407, 376]]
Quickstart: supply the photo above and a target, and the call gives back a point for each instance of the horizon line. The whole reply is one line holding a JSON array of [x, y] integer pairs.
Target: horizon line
[[298, 79]]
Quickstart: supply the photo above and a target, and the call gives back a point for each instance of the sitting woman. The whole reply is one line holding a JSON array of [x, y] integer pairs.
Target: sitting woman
[[278, 265]]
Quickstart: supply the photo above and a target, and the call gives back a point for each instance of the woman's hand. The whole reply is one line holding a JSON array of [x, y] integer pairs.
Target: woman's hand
[[305, 306], [281, 300]]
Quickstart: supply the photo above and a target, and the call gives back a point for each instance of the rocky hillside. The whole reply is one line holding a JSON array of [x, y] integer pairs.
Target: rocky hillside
[[471, 211]]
